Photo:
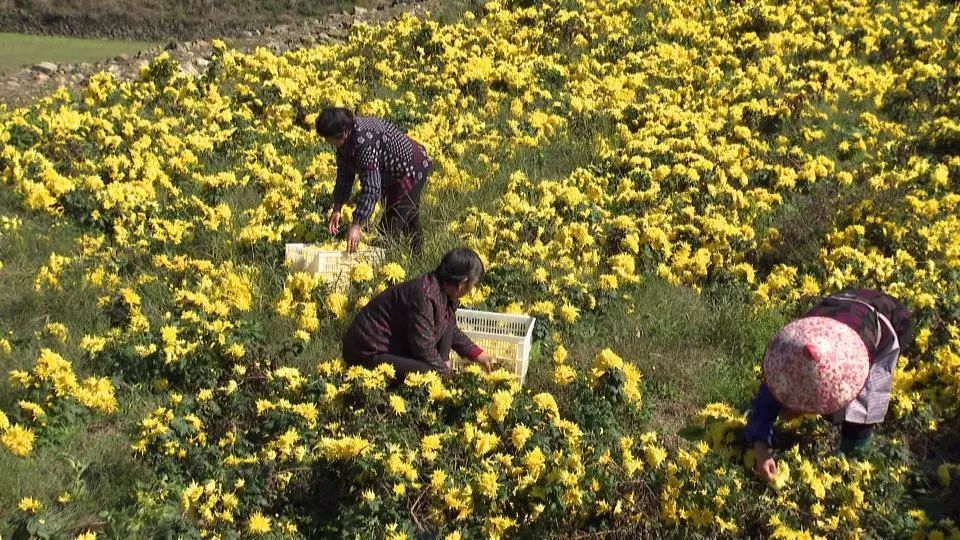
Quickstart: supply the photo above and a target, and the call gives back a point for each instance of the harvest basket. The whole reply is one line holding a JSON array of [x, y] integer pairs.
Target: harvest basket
[[333, 266], [507, 338]]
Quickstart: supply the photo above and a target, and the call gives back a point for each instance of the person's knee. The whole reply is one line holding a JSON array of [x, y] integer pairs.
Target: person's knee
[[855, 438], [849, 430], [854, 447], [349, 354]]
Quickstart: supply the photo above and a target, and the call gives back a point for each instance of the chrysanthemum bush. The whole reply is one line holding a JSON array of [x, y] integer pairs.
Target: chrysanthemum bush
[[343, 451], [50, 394], [817, 492], [787, 150], [338, 451]]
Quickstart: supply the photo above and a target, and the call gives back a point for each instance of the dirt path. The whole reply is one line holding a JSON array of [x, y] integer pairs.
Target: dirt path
[[23, 87]]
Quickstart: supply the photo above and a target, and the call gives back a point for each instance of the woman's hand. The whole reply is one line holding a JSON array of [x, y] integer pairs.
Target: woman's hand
[[353, 238], [486, 361], [334, 226], [765, 466]]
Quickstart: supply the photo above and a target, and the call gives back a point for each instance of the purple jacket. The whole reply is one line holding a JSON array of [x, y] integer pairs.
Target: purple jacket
[[409, 320]]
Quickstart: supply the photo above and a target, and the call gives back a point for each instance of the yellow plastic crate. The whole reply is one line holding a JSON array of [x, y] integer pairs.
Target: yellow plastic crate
[[333, 266], [507, 338]]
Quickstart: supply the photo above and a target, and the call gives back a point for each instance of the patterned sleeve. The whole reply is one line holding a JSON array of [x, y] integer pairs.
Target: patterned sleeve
[[368, 162], [423, 331], [763, 414], [344, 184], [899, 316], [464, 346]]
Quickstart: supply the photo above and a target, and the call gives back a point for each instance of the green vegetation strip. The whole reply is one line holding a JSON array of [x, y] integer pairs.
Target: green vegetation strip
[[21, 50]]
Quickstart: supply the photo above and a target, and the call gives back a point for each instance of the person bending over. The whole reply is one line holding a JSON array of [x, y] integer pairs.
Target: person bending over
[[413, 326]]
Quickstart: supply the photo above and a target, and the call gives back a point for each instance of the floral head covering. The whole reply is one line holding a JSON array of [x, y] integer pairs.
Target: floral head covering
[[816, 365]]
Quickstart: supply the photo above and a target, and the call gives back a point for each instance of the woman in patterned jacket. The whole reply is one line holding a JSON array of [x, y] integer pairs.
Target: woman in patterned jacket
[[838, 361], [393, 170], [413, 326]]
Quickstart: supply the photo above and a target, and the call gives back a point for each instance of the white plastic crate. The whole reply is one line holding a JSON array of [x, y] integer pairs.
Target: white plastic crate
[[332, 266], [507, 338]]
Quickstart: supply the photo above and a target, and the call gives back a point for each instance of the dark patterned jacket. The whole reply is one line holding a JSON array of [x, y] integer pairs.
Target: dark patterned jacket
[[860, 318], [409, 320], [385, 158]]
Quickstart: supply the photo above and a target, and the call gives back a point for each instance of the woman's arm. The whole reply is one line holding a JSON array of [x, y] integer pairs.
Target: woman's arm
[[344, 184], [368, 161], [763, 415], [759, 432], [464, 346]]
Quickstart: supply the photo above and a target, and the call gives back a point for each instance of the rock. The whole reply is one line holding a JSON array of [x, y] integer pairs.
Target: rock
[[357, 11], [40, 77], [189, 69], [308, 40], [45, 68], [114, 69], [202, 62], [172, 46], [246, 34], [122, 58], [84, 66], [323, 36]]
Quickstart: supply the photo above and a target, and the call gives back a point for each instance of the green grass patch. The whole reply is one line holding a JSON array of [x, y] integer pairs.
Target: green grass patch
[[693, 348], [163, 19], [91, 461], [20, 50]]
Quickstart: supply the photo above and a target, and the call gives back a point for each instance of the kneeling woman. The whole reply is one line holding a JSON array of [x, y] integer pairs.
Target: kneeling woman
[[838, 361], [413, 326]]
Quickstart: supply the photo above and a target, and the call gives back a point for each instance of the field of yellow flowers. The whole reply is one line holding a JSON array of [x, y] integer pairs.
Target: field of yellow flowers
[[615, 162]]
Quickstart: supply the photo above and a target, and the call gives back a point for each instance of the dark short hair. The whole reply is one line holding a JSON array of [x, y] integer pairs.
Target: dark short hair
[[334, 121], [460, 264]]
